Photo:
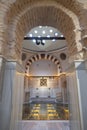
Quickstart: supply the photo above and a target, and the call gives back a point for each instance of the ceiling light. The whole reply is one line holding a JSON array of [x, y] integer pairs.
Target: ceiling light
[[61, 35], [48, 35], [43, 41], [56, 34], [34, 40], [51, 30], [43, 32], [53, 40], [39, 36], [35, 31], [30, 35], [40, 26]]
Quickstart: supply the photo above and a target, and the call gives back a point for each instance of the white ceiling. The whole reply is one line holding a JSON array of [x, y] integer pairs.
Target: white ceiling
[[44, 31]]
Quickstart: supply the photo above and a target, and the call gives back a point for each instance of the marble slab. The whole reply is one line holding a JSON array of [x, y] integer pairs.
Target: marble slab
[[43, 125]]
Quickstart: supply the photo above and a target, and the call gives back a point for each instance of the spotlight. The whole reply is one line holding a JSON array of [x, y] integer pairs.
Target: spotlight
[[35, 31], [40, 26], [48, 36], [39, 36], [51, 30], [61, 35], [56, 34], [53, 40], [30, 35], [43, 41], [44, 32], [34, 40]]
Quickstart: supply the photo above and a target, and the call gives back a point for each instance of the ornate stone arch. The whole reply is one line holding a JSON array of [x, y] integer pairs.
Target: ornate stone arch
[[45, 57], [16, 22], [37, 16]]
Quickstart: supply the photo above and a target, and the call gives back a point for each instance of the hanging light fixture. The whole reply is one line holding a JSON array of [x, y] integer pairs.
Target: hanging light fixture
[[37, 42], [42, 43]]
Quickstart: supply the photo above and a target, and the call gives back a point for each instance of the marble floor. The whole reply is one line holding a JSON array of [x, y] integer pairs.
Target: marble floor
[[43, 125]]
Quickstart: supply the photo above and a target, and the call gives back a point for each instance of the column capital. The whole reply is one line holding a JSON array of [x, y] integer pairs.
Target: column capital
[[78, 56]]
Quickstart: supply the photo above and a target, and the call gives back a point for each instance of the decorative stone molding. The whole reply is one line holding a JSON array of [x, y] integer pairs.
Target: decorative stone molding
[[8, 1], [45, 57], [15, 17], [77, 56], [60, 8], [84, 40]]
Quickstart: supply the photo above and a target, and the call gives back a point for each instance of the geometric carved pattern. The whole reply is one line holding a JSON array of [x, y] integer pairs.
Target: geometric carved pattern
[[43, 82], [45, 57]]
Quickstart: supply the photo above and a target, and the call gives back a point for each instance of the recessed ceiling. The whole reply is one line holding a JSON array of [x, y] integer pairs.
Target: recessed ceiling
[[44, 31]]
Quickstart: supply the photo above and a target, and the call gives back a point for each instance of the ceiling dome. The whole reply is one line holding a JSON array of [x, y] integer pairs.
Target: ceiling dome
[[49, 37]]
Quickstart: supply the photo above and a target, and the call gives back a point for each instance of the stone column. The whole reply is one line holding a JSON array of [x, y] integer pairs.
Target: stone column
[[2, 66], [63, 96], [26, 82], [12, 96], [64, 91], [60, 88], [77, 86]]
